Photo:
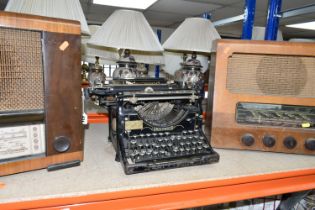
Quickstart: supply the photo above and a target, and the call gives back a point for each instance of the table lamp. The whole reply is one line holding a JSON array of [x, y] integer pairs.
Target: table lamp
[[65, 9], [193, 36], [128, 38]]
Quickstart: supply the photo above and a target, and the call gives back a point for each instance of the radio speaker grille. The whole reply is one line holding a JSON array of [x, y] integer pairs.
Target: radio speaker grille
[[21, 70], [279, 75]]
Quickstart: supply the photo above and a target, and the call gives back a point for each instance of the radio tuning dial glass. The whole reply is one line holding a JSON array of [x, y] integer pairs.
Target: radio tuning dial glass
[[275, 115]]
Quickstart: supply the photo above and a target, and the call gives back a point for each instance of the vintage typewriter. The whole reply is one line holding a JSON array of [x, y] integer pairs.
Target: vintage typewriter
[[155, 124]]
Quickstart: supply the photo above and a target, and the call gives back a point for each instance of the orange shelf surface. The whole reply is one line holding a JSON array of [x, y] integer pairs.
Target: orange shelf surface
[[97, 118], [182, 196]]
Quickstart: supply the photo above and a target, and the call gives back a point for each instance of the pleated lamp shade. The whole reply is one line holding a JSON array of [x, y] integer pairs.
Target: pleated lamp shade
[[88, 52], [259, 34], [65, 9], [194, 34], [110, 55], [127, 29]]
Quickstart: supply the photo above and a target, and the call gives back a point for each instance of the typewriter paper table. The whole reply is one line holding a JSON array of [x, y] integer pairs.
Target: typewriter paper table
[[100, 183]]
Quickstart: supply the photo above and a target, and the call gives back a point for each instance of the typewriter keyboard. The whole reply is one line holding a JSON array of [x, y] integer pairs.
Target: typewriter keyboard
[[165, 145]]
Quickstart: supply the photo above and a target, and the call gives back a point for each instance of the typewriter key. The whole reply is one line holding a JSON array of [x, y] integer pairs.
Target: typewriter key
[[149, 151], [133, 142], [206, 146], [175, 149], [140, 144]]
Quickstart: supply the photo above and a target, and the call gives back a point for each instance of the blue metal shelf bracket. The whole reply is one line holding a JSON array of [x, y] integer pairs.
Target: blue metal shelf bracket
[[273, 19], [157, 67], [206, 15], [249, 17]]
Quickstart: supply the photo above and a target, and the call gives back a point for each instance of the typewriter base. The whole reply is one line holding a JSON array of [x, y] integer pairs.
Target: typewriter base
[[194, 160]]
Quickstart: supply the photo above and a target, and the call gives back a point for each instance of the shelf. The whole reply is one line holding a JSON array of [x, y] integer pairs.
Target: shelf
[[97, 118], [99, 183]]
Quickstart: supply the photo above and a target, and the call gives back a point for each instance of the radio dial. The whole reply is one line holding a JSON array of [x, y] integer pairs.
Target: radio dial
[[248, 139], [269, 141], [310, 144], [290, 142]]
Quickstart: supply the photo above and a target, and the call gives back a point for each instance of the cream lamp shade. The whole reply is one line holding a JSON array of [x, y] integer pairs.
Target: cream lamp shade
[[259, 34], [88, 52], [194, 34], [128, 29], [65, 9]]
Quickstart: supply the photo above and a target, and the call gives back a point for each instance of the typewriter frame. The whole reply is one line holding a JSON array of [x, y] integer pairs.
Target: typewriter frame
[[114, 96]]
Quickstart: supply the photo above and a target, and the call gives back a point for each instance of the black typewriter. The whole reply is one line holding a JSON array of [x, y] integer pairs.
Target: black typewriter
[[155, 124]]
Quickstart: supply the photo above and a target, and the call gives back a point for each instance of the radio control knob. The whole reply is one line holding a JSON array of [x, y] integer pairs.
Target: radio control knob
[[289, 142], [248, 139], [310, 144], [269, 141], [62, 144]]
